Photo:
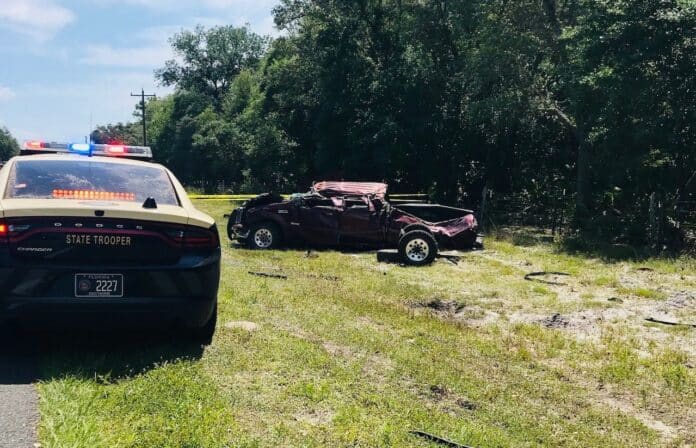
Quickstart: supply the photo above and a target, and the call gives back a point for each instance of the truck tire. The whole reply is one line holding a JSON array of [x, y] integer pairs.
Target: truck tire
[[263, 236], [418, 248]]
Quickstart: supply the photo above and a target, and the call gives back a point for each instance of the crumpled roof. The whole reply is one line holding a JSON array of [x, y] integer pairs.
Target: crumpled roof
[[331, 189]]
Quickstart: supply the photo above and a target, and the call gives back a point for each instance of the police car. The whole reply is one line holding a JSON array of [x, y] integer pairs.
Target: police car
[[99, 234]]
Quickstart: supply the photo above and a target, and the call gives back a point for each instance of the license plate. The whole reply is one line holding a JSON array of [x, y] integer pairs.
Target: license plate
[[98, 285]]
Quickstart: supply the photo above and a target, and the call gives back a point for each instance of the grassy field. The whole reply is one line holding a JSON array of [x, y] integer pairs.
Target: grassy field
[[349, 352]]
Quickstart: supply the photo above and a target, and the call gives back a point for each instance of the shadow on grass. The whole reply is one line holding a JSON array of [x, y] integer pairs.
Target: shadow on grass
[[102, 355], [612, 252], [580, 245]]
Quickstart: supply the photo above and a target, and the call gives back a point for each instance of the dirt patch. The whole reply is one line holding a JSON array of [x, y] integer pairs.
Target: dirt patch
[[555, 321], [441, 306], [586, 324], [681, 300], [446, 399], [315, 417], [666, 432], [472, 315], [242, 325], [339, 350]]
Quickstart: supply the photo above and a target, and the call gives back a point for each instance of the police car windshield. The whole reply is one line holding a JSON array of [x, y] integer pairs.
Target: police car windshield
[[89, 180]]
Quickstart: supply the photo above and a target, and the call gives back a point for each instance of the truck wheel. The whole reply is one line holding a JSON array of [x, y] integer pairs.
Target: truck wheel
[[264, 235], [418, 248]]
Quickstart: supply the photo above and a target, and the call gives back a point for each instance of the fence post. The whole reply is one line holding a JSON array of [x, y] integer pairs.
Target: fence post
[[482, 211], [653, 222]]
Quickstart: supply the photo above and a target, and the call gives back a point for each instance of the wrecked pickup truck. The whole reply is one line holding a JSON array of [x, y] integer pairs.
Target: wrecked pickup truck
[[352, 214]]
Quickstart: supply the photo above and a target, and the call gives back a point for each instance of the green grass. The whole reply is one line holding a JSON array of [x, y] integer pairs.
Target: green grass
[[360, 361]]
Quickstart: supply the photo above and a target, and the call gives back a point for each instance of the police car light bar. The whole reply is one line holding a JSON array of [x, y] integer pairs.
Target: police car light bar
[[38, 147]]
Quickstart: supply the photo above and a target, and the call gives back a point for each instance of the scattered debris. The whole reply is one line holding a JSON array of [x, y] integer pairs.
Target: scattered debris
[[443, 306], [242, 325], [667, 322], [267, 275], [466, 404], [311, 254], [555, 321], [451, 260], [438, 440], [532, 277], [439, 391], [333, 278], [451, 257]]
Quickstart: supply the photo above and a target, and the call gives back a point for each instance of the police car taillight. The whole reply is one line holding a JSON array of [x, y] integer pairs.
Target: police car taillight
[[195, 238], [201, 238], [4, 230]]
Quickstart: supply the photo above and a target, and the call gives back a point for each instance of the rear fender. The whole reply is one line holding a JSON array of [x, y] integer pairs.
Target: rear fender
[[412, 227]]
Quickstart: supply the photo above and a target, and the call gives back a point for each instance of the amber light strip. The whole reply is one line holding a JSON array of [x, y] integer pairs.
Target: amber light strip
[[91, 194]]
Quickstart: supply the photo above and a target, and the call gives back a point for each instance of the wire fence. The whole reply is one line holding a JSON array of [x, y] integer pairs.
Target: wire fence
[[552, 217]]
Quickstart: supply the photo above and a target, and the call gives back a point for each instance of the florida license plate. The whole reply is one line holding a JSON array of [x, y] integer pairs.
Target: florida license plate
[[98, 285]]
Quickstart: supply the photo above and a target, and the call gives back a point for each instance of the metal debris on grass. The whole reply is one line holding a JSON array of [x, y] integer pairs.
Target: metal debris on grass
[[667, 322], [268, 275], [532, 277], [437, 439]]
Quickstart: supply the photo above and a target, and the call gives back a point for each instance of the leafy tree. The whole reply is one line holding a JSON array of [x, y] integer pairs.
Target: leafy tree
[[211, 59], [8, 145], [532, 98], [119, 133]]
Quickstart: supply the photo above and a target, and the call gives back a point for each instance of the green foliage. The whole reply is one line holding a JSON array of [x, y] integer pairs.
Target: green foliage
[[119, 133], [8, 145], [541, 101], [211, 59]]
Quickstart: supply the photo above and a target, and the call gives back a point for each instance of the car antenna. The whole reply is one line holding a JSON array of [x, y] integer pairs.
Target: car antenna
[[150, 203]]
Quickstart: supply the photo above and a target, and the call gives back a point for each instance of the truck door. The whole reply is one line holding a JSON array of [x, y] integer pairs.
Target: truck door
[[319, 222], [361, 223]]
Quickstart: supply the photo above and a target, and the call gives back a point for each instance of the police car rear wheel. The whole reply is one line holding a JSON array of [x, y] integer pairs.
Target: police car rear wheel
[[204, 335]]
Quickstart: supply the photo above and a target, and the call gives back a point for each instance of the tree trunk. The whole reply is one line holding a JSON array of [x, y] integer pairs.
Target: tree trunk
[[581, 206]]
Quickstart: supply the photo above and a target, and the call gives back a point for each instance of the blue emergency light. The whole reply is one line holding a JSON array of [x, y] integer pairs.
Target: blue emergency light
[[89, 149]]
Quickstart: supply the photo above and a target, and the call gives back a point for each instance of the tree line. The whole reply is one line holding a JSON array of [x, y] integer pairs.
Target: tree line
[[588, 102]]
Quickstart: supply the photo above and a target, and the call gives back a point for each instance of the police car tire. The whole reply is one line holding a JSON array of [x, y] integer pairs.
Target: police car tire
[[204, 335]]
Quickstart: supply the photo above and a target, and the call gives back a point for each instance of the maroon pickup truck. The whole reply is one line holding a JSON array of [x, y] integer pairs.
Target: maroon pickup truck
[[352, 214]]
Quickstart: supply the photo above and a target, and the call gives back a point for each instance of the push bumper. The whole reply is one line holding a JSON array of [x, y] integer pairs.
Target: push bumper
[[140, 312]]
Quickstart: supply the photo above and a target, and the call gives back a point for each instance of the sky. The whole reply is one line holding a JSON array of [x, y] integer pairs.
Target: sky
[[67, 63]]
